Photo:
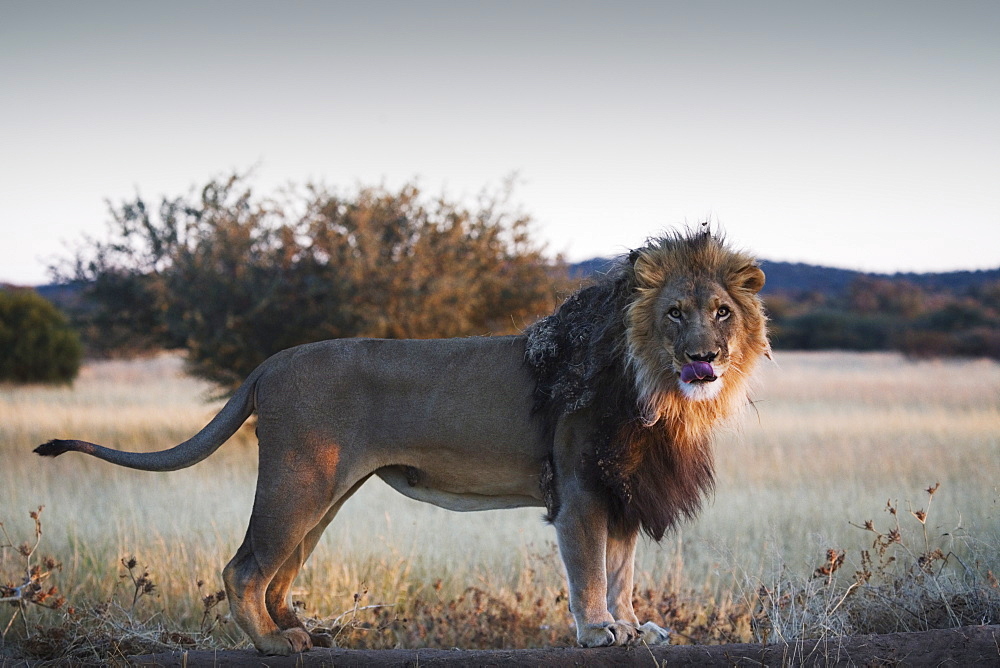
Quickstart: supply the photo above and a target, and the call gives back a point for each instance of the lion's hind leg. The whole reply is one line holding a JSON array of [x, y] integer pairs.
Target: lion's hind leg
[[247, 577], [286, 522], [277, 597]]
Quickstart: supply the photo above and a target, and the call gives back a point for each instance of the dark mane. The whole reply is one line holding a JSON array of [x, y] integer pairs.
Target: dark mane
[[573, 349], [647, 476]]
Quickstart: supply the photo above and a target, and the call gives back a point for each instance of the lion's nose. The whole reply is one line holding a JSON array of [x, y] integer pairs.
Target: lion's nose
[[702, 357]]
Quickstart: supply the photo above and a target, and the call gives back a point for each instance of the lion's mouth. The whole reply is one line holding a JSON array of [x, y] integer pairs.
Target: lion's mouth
[[697, 372]]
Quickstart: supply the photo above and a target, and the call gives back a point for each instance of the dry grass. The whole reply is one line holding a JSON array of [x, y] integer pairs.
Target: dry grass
[[832, 437]]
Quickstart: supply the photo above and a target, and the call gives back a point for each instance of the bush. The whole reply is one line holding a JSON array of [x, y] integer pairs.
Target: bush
[[233, 278], [37, 344], [831, 329], [891, 314]]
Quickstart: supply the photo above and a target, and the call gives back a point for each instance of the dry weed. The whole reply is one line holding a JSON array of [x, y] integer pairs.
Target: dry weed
[[106, 632], [903, 582], [907, 580], [30, 588]]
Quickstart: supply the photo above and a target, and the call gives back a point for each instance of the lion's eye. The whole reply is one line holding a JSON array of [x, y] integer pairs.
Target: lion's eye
[[674, 313], [723, 313]]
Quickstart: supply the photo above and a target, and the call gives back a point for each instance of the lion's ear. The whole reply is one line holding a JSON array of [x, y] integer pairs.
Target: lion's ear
[[645, 270], [633, 256], [749, 278]]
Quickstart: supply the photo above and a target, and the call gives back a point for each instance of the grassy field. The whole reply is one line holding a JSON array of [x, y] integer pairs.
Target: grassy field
[[831, 438]]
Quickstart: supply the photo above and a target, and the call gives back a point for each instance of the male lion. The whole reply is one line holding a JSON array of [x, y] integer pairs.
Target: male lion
[[601, 413]]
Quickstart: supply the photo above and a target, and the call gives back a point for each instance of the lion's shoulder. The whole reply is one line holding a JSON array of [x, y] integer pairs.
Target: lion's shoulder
[[570, 350]]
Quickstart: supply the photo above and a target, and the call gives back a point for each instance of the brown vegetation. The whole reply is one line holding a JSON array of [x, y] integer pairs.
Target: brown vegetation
[[891, 314], [903, 585], [836, 434], [233, 277]]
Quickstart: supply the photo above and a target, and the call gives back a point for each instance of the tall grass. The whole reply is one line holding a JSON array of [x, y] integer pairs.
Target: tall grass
[[830, 438]]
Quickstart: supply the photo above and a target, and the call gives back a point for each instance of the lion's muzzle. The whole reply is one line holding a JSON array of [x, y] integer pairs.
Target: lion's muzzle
[[697, 371]]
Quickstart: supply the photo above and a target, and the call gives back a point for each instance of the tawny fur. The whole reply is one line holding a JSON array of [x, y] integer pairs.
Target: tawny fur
[[583, 414]]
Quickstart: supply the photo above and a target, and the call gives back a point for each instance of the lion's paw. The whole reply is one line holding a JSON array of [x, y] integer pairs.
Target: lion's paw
[[651, 634], [322, 640], [625, 633], [283, 643], [595, 635], [298, 639], [605, 635]]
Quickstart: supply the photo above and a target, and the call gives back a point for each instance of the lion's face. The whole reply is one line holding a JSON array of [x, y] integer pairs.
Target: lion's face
[[698, 323], [696, 326]]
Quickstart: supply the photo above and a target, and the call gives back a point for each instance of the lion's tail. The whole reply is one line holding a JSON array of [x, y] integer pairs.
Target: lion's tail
[[190, 452]]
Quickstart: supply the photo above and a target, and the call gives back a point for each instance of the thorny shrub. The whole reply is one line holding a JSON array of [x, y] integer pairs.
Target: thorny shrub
[[92, 633], [907, 581], [30, 588]]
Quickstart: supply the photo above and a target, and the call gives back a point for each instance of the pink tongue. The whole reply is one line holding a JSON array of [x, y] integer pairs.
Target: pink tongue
[[697, 371]]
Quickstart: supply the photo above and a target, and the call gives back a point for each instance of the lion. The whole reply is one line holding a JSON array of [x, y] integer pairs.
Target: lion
[[600, 413]]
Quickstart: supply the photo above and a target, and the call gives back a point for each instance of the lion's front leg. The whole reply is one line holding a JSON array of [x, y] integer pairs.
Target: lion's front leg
[[582, 531], [621, 567]]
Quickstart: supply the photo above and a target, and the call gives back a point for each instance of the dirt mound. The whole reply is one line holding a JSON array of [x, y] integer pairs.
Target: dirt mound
[[966, 646]]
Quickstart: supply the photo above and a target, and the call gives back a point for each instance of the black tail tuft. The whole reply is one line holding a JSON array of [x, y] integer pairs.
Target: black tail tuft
[[54, 448]]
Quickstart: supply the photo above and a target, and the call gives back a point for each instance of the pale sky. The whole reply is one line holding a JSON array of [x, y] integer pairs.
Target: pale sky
[[863, 135]]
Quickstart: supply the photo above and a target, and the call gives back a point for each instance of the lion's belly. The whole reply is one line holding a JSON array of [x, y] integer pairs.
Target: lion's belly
[[466, 484], [482, 470]]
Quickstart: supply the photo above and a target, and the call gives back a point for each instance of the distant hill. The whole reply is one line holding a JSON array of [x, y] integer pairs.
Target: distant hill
[[63, 295], [791, 278], [813, 308], [785, 278], [590, 267]]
